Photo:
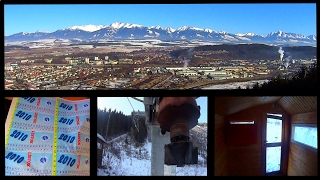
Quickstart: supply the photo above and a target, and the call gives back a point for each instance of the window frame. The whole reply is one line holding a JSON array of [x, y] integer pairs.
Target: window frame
[[276, 116], [300, 143]]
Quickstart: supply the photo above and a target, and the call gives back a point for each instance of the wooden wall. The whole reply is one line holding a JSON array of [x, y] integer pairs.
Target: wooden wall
[[220, 149], [246, 160], [303, 161], [242, 160]]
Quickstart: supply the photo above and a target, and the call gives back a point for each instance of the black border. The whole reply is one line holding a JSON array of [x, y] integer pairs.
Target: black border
[[211, 94]]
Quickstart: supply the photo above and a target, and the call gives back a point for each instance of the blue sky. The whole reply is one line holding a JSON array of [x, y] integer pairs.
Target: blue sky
[[123, 104], [234, 18]]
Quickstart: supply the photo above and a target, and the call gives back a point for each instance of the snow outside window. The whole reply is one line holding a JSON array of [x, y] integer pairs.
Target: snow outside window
[[305, 135]]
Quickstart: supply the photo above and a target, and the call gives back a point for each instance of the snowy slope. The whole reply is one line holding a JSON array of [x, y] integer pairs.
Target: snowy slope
[[123, 158]]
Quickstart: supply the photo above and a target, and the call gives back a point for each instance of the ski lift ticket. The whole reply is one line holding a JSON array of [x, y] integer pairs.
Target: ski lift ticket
[[47, 136]]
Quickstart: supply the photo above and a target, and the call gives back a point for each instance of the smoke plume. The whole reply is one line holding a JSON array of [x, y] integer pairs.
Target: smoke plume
[[281, 53], [287, 60], [187, 59]]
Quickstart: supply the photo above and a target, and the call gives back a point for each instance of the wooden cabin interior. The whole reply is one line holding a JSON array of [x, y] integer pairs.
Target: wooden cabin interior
[[266, 136]]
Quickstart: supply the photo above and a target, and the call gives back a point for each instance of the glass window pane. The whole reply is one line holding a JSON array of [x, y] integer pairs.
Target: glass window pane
[[273, 159], [274, 130], [306, 135]]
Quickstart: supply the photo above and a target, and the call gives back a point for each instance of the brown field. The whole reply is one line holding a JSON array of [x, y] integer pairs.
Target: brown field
[[60, 51]]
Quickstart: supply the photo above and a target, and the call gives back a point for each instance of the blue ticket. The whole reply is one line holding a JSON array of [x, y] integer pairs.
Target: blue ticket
[[33, 163], [44, 137], [72, 164], [68, 106], [18, 136], [71, 121], [24, 119]]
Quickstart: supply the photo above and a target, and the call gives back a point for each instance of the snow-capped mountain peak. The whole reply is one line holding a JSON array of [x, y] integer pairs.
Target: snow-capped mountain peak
[[183, 28], [170, 30], [250, 34], [156, 27], [88, 28], [118, 25], [313, 37], [278, 33], [245, 34], [208, 30], [223, 32], [127, 25], [197, 29], [24, 33]]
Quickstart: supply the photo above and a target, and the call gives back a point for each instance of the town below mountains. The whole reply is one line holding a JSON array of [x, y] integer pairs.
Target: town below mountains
[[118, 31], [130, 56]]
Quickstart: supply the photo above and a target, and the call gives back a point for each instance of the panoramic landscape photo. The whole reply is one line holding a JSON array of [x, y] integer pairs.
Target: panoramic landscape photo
[[160, 46]]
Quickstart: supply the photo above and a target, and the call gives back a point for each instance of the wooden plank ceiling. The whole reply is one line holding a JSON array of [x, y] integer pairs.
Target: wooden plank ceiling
[[298, 104], [292, 104]]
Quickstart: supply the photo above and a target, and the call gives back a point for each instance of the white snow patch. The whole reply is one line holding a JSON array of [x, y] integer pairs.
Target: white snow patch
[[228, 37], [199, 35], [118, 25], [156, 27], [148, 36], [244, 38], [197, 29], [245, 34], [88, 28], [170, 30], [208, 30], [183, 28]]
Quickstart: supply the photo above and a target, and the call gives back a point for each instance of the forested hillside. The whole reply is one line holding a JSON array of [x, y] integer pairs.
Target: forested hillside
[[113, 123], [248, 52]]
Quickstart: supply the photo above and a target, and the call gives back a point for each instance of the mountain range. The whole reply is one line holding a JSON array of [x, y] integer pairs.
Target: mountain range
[[125, 31]]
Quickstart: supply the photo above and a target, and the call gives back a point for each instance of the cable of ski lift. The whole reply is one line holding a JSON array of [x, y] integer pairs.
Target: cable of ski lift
[[137, 99], [135, 117]]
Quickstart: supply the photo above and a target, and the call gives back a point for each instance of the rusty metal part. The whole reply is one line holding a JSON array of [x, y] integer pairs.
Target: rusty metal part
[[179, 130], [178, 115], [180, 154]]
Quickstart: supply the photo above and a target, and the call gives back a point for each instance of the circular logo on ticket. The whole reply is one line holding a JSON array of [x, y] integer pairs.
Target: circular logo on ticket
[[86, 161], [43, 160], [87, 139], [46, 119], [44, 137]]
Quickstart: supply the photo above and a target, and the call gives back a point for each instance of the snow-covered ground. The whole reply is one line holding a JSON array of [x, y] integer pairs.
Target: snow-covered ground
[[235, 85], [135, 161]]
